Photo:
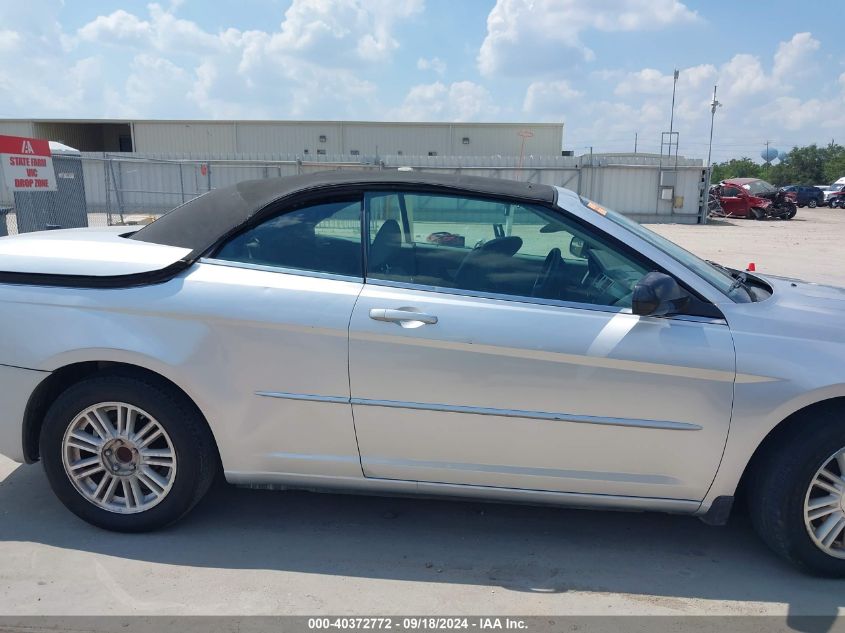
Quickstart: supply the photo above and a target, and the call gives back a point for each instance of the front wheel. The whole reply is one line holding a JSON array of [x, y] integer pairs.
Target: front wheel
[[757, 213], [126, 453], [797, 494], [813, 204]]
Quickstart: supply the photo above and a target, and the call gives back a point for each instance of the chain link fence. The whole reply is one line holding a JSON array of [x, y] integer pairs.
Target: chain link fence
[[98, 189]]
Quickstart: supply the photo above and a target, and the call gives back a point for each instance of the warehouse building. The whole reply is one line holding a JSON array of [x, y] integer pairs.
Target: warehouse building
[[301, 138]]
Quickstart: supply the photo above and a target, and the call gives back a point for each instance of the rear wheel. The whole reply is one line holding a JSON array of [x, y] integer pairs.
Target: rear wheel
[[813, 203], [126, 453], [797, 494]]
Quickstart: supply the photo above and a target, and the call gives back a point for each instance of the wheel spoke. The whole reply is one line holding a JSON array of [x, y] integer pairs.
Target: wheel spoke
[[121, 419], [822, 506], [128, 498], [840, 460], [131, 418], [84, 441], [101, 424], [830, 530], [136, 491], [152, 480], [86, 467], [105, 491], [836, 480], [157, 457], [829, 487], [152, 437]]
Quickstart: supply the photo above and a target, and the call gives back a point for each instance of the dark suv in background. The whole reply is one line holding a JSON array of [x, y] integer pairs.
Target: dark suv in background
[[804, 195]]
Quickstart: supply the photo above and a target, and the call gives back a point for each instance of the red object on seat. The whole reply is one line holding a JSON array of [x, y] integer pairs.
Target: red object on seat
[[751, 268]]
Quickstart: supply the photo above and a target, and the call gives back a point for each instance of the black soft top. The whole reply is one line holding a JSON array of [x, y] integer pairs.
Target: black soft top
[[204, 221]]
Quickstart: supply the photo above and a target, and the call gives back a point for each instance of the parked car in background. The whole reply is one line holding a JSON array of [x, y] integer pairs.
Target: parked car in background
[[754, 198], [837, 199], [805, 195], [832, 191]]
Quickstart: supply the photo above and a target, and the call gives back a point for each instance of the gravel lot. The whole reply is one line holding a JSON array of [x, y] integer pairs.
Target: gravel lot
[[811, 246], [257, 552]]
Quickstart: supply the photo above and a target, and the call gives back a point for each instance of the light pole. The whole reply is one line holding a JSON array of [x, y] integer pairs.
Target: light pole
[[713, 105], [672, 116]]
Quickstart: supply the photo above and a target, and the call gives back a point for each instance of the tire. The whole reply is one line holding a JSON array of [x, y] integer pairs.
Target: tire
[[780, 484], [758, 214], [184, 442], [813, 203]]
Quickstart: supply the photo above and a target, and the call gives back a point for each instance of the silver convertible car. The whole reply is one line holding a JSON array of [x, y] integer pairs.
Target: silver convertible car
[[409, 333]]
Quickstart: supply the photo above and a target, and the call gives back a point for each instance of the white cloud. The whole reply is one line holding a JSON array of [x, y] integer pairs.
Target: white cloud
[[743, 77], [310, 66], [342, 29], [9, 40], [549, 96], [794, 55], [435, 63], [791, 113], [163, 31], [526, 36], [652, 81], [459, 101]]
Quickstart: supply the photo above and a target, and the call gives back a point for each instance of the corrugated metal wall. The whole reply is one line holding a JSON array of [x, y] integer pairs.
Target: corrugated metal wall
[[336, 137], [17, 128]]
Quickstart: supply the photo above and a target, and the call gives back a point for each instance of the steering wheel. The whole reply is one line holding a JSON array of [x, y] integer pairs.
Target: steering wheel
[[548, 273]]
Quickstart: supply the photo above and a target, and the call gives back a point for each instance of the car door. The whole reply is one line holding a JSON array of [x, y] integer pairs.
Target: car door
[[733, 201], [474, 379], [279, 297]]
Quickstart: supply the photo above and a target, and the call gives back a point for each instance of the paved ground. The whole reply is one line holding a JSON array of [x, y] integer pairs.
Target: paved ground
[[811, 246], [256, 552]]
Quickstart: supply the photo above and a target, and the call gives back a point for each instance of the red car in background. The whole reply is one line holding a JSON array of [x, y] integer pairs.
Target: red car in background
[[752, 198]]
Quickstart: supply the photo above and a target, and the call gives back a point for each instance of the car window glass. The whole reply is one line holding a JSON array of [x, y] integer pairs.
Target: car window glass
[[730, 191], [499, 247], [384, 208], [320, 238]]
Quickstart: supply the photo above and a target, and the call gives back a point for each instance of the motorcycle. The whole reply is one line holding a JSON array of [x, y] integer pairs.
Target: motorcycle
[[714, 203]]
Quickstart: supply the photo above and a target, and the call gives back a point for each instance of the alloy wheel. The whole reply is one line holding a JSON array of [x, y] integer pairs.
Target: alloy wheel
[[824, 506], [119, 457]]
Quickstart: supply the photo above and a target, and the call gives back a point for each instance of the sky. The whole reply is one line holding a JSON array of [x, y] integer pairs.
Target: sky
[[602, 67]]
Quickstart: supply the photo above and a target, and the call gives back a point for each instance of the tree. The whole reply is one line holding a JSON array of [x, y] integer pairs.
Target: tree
[[735, 168], [834, 167], [804, 166], [808, 165]]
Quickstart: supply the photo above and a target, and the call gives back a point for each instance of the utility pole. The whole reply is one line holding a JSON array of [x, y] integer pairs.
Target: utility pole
[[768, 160], [713, 105], [635, 141], [672, 116]]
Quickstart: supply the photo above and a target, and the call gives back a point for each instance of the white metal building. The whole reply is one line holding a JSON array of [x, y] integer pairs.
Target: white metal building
[[301, 138]]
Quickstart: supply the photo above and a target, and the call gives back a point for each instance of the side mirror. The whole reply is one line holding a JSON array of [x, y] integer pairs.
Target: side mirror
[[576, 247], [658, 294]]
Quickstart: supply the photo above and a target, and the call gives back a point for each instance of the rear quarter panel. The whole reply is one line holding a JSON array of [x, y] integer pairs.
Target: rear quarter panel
[[220, 334]]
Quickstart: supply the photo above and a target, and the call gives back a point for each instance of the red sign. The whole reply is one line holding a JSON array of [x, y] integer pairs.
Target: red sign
[[27, 164]]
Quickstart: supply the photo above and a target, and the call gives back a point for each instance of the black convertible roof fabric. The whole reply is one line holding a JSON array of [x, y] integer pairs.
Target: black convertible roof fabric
[[204, 221]]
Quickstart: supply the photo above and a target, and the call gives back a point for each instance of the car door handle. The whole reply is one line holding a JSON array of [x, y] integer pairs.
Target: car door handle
[[402, 315]]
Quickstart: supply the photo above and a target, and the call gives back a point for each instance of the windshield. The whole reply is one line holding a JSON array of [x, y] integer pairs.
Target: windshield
[[758, 186], [717, 276]]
